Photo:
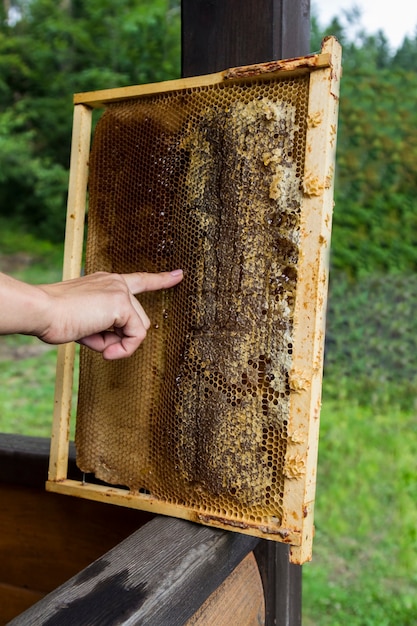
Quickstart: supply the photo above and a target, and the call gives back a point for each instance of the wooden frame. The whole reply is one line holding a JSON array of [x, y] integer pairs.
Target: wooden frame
[[296, 528]]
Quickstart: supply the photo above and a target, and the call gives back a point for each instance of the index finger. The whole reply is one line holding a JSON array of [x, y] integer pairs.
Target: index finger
[[139, 282]]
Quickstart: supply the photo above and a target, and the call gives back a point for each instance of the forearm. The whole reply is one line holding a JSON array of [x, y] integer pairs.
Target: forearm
[[22, 307]]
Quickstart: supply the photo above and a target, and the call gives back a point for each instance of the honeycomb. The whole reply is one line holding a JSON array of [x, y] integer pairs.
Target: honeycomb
[[208, 179]]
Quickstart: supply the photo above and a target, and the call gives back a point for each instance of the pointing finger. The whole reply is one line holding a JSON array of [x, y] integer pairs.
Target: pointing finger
[[139, 282]]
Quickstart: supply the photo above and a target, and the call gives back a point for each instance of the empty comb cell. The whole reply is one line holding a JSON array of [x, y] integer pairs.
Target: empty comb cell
[[229, 176]]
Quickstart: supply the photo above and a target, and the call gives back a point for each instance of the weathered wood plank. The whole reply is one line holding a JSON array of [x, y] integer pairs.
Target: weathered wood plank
[[15, 600], [23, 460], [159, 575], [238, 600], [282, 582], [45, 538]]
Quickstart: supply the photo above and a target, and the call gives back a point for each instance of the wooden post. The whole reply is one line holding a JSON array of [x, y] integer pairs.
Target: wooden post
[[218, 34]]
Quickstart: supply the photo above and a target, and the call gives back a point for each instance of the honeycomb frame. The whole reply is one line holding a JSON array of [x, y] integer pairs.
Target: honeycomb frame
[[291, 521]]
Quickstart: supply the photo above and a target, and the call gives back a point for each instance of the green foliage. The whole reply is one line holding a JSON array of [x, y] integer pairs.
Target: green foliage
[[375, 218], [365, 550], [371, 340], [55, 49], [406, 55], [32, 186], [27, 383], [27, 257]]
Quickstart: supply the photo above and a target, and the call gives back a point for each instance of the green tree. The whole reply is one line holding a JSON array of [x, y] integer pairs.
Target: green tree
[[50, 50], [375, 217], [375, 220], [406, 55]]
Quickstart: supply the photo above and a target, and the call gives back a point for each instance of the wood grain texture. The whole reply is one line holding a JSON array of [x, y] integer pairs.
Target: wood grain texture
[[219, 34], [159, 575], [45, 539], [282, 583], [23, 460], [76, 208], [15, 600], [292, 66], [238, 600]]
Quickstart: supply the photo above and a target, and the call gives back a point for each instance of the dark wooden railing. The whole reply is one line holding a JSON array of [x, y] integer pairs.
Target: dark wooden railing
[[159, 571]]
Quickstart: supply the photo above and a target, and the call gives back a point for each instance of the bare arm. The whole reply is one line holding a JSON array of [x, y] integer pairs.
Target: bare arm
[[99, 310]]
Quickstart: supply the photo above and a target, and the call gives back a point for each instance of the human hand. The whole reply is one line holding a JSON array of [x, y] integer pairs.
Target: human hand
[[100, 311]]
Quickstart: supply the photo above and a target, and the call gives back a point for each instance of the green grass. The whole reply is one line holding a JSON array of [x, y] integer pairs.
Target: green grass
[[26, 257], [26, 394], [364, 568], [27, 385]]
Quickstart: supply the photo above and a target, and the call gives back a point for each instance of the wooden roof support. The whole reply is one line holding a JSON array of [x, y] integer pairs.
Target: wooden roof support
[[217, 34]]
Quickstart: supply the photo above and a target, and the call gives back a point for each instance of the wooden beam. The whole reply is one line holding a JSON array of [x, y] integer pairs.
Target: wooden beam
[[24, 460], [287, 67], [46, 522], [217, 34], [45, 538], [238, 600], [282, 584], [162, 574]]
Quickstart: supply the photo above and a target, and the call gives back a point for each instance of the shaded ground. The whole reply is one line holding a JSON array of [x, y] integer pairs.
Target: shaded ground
[[11, 263], [13, 351]]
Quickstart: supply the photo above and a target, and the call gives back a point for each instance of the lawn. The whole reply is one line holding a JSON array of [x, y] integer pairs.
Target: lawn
[[26, 387], [364, 568]]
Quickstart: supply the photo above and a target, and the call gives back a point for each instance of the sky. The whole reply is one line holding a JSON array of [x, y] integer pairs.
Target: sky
[[396, 19]]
